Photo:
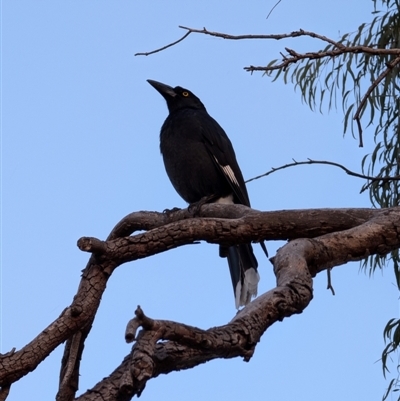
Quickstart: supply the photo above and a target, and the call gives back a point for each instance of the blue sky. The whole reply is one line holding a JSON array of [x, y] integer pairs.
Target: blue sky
[[80, 150]]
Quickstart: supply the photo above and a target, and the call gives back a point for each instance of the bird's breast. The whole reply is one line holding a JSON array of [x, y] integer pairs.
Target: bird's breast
[[189, 165]]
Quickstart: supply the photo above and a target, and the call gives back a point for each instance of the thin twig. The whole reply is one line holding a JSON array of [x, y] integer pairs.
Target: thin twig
[[310, 161], [273, 8], [338, 49], [361, 143], [165, 47], [329, 286], [295, 57], [278, 36]]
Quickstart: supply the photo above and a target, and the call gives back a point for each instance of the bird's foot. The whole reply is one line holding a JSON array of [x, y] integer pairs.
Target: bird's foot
[[194, 208], [169, 211]]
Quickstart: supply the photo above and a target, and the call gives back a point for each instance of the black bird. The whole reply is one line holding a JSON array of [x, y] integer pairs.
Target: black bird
[[201, 164]]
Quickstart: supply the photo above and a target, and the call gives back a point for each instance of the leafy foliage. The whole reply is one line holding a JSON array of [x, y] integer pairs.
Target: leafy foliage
[[344, 79], [392, 337]]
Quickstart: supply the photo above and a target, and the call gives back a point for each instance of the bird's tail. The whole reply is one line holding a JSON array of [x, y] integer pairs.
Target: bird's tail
[[243, 268]]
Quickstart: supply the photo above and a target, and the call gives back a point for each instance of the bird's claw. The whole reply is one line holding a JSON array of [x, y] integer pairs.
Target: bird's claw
[[169, 211], [194, 208]]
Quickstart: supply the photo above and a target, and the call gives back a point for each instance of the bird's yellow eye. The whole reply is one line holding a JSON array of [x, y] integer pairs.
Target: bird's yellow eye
[[186, 94]]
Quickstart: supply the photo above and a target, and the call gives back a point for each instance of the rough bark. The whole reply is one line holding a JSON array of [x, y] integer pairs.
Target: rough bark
[[319, 239]]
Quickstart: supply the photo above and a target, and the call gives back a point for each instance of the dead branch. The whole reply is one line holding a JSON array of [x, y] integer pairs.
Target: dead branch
[[4, 391], [165, 47], [329, 284], [340, 48], [273, 8], [183, 347], [372, 179], [293, 57], [335, 237], [204, 31]]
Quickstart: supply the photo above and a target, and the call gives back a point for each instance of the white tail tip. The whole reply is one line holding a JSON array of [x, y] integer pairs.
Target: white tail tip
[[248, 290]]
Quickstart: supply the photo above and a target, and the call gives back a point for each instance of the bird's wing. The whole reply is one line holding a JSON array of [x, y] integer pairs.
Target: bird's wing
[[221, 151]]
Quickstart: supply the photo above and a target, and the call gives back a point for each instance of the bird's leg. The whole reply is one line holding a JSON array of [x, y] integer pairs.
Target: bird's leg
[[194, 208]]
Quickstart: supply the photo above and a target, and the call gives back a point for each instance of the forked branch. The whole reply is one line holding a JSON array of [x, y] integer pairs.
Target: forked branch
[[335, 236], [292, 57]]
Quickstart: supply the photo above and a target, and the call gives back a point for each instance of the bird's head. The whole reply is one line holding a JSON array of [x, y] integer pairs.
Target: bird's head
[[178, 97]]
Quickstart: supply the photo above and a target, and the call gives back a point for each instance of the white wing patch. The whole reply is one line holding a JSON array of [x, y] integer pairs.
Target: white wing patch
[[229, 173]]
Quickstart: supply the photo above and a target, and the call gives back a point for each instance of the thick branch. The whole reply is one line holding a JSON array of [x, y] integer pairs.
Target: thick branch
[[184, 347], [252, 226], [291, 296]]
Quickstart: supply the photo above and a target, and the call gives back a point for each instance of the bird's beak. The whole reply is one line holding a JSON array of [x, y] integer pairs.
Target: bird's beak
[[165, 90]]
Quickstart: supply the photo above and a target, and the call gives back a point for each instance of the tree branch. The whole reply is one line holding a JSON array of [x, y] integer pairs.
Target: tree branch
[[273, 8], [164, 346], [345, 169], [293, 57], [164, 47], [340, 48], [335, 237]]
